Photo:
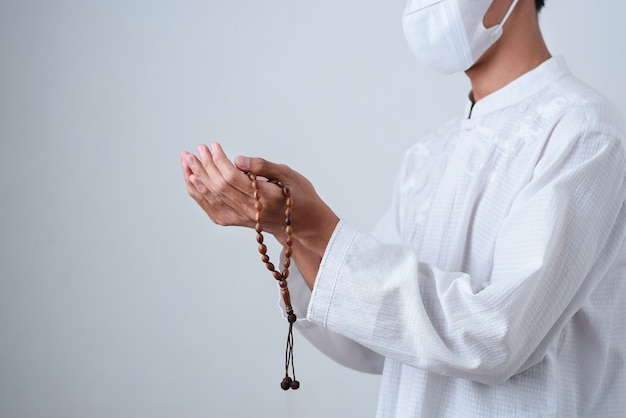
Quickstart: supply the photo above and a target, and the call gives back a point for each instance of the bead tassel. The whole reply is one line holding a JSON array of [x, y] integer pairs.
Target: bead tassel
[[288, 382]]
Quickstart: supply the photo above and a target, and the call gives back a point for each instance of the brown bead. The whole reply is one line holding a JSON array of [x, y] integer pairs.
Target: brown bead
[[258, 228], [262, 248], [287, 254], [259, 238], [288, 230], [257, 217], [277, 275], [286, 383], [258, 206], [286, 298], [288, 220], [265, 258], [291, 318], [282, 283], [285, 273], [256, 194], [269, 266], [286, 191], [295, 385], [288, 240]]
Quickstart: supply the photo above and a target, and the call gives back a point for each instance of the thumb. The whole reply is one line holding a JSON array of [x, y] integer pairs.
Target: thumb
[[262, 167]]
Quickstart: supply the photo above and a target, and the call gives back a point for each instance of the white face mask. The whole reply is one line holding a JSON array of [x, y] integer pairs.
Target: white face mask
[[449, 35]]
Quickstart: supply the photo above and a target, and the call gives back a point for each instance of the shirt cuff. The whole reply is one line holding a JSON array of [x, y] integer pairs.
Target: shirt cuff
[[329, 272]]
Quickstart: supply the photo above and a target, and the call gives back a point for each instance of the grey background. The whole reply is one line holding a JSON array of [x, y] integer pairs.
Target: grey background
[[118, 297]]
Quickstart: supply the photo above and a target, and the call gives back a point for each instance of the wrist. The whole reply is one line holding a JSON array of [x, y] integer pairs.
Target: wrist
[[316, 234]]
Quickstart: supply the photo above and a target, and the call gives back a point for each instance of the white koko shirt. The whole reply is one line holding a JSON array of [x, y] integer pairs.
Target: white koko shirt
[[495, 286]]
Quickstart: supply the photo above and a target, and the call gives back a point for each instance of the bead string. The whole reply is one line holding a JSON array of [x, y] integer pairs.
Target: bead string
[[288, 382]]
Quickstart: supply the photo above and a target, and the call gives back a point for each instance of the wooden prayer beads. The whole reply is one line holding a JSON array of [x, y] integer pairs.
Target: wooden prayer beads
[[288, 382]]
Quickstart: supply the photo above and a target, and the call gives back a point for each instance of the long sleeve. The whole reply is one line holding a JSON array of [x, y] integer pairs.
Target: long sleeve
[[559, 235], [336, 346]]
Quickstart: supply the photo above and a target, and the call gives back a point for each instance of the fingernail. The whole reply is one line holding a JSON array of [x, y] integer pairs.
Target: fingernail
[[190, 160], [242, 162], [202, 150], [196, 181]]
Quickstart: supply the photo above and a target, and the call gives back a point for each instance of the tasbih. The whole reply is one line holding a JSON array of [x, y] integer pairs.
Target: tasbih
[[288, 382]]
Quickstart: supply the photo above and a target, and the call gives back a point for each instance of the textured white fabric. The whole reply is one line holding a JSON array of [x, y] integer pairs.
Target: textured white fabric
[[495, 286]]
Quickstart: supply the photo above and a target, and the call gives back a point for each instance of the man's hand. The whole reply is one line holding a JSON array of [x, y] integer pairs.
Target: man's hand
[[225, 193]]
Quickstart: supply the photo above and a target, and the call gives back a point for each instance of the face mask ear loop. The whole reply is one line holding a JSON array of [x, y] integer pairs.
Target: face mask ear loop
[[508, 13]]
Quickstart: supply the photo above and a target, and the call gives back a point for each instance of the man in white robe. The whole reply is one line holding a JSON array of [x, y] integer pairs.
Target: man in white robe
[[495, 285]]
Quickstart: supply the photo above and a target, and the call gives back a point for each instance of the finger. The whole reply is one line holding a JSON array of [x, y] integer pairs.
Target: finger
[[204, 152], [183, 154], [193, 173], [191, 162], [188, 173], [186, 169], [195, 187], [206, 158], [228, 171], [262, 167]]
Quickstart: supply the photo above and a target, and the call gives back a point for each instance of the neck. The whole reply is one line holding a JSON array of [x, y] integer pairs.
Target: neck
[[520, 49]]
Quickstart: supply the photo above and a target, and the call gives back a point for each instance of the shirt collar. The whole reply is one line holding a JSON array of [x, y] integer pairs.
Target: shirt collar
[[519, 89]]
